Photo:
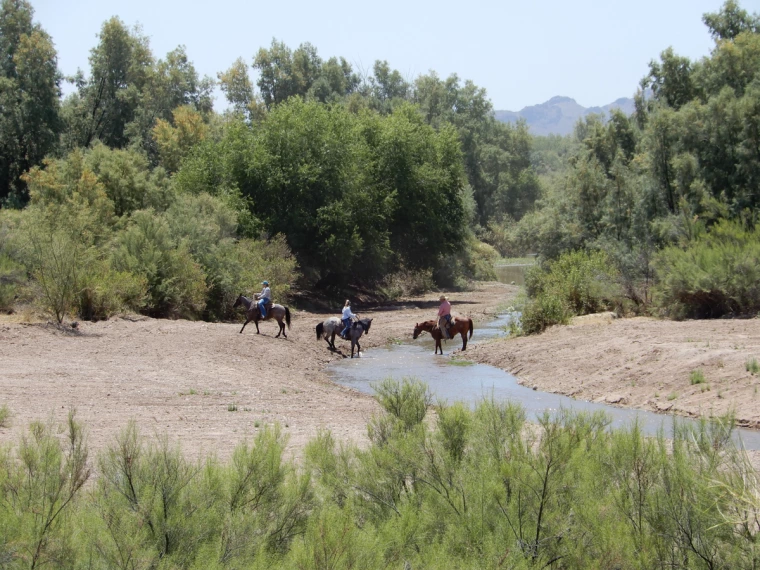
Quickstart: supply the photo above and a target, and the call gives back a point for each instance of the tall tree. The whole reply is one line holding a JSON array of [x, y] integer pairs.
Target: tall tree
[[29, 97]]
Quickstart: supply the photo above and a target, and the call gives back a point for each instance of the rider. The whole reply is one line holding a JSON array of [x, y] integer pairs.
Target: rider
[[346, 318], [444, 316], [264, 297]]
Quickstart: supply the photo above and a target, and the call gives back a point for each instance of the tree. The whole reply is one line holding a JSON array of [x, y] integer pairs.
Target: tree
[[29, 97], [730, 21]]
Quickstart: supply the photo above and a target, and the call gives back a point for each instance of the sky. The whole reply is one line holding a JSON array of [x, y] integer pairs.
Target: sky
[[522, 52]]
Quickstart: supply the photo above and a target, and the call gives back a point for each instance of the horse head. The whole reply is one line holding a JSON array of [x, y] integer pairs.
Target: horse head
[[366, 323], [417, 331], [238, 302]]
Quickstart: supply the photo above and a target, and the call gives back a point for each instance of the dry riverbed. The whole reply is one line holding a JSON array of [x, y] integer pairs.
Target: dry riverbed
[[202, 384]]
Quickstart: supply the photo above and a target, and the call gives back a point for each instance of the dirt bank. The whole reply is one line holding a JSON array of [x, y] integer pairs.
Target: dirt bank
[[202, 384], [641, 363]]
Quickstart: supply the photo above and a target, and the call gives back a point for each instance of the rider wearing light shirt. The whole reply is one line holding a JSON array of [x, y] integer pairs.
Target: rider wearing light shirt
[[264, 297], [346, 318]]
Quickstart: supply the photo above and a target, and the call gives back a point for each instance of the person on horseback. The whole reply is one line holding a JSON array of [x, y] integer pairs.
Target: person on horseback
[[264, 297], [346, 319], [444, 316]]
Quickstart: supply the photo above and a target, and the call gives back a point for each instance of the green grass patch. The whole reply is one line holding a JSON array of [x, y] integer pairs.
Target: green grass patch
[[697, 377], [458, 362], [752, 366], [5, 416]]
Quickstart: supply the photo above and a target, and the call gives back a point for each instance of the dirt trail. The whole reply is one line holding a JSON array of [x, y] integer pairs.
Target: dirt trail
[[641, 363], [183, 378]]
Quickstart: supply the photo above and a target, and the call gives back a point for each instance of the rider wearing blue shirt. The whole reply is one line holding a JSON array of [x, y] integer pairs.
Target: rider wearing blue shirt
[[346, 318], [264, 297]]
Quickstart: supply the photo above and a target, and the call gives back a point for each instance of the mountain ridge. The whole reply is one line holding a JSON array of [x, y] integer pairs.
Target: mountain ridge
[[558, 115]]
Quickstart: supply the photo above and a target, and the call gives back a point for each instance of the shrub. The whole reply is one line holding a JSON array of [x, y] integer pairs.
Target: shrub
[[542, 312], [176, 285], [714, 275], [11, 279], [407, 282], [105, 292]]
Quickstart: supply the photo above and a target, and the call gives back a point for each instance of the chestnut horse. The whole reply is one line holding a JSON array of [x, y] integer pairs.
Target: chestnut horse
[[459, 325]]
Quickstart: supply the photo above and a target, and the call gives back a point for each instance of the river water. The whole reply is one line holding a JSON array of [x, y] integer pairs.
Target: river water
[[454, 380]]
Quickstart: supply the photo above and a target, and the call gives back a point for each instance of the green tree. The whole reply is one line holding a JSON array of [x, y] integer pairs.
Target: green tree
[[29, 97]]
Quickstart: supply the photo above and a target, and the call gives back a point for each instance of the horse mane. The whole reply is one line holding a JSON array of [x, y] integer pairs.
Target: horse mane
[[320, 329]]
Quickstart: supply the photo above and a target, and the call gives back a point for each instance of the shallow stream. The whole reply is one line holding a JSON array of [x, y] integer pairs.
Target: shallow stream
[[453, 380]]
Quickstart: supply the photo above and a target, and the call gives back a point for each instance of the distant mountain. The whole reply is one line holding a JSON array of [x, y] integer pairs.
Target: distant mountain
[[559, 114]]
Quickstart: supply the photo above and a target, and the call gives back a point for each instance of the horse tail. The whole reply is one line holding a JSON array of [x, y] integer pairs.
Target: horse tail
[[471, 327], [287, 318], [320, 327]]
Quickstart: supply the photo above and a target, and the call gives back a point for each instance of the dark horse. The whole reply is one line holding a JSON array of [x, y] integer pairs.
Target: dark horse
[[332, 326], [252, 313], [358, 328], [459, 325]]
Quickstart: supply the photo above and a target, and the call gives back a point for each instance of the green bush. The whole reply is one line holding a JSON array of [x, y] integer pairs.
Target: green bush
[[104, 292], [468, 488], [577, 283], [176, 285], [716, 274], [406, 283], [542, 312], [586, 281], [12, 277]]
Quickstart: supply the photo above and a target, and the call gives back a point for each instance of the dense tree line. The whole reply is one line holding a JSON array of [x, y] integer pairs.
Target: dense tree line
[[362, 176], [681, 174]]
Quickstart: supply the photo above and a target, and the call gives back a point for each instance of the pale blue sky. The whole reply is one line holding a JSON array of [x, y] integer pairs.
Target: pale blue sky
[[522, 52]]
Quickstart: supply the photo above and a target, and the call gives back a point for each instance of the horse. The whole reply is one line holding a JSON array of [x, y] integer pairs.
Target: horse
[[358, 328], [252, 313], [328, 329], [459, 325], [332, 326]]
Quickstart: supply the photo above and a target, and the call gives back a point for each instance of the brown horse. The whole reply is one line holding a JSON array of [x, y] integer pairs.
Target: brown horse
[[459, 325], [252, 313]]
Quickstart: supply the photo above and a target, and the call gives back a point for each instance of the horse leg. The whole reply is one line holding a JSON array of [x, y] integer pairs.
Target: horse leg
[[282, 326], [245, 323], [279, 331], [438, 346], [331, 342], [256, 322], [464, 341]]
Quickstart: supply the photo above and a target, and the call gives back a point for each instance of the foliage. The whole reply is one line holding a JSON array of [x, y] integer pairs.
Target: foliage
[[467, 488], [40, 482], [11, 280], [714, 275], [29, 98]]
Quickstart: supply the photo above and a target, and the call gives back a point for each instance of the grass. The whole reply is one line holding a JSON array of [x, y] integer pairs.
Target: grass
[[672, 396], [458, 362], [5, 416], [697, 377], [752, 366], [232, 408]]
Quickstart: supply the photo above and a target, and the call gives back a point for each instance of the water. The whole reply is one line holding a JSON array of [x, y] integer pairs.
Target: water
[[472, 383], [511, 273]]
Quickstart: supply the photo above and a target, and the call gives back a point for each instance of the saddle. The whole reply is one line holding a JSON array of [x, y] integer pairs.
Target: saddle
[[268, 306]]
